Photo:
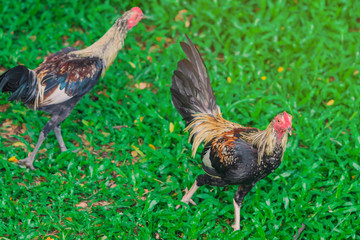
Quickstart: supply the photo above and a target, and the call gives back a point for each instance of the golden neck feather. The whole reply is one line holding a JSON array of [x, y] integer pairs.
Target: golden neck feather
[[266, 141], [108, 46]]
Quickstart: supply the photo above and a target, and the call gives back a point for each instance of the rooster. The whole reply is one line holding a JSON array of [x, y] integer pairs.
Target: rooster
[[233, 154], [58, 83]]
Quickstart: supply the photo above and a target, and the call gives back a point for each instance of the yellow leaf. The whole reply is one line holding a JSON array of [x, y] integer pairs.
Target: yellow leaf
[[49, 238], [331, 102], [138, 151], [171, 127], [18, 144], [69, 219], [158, 39], [263, 78], [229, 79], [152, 146], [141, 119], [280, 69], [13, 159], [132, 65], [134, 153], [356, 72]]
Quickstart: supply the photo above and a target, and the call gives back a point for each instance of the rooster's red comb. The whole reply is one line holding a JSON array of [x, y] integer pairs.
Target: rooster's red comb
[[137, 10], [287, 118]]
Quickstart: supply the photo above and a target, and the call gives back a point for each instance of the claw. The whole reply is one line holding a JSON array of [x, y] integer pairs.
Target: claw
[[186, 198], [235, 227], [27, 162]]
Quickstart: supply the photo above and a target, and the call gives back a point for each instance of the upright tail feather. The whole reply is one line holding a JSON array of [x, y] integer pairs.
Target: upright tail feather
[[21, 82], [191, 88]]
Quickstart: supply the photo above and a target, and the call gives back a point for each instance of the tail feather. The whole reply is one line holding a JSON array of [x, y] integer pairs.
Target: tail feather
[[191, 88], [21, 82]]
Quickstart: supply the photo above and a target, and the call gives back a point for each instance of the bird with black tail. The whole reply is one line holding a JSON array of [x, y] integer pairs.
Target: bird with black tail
[[58, 83], [233, 154]]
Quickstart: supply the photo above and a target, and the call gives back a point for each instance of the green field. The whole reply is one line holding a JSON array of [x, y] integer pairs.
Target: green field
[[302, 57]]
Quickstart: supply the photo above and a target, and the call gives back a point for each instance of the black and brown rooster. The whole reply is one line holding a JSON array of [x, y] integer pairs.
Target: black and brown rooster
[[233, 154], [59, 83]]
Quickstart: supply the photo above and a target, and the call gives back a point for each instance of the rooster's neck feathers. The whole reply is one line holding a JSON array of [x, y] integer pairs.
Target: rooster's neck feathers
[[108, 46], [266, 141]]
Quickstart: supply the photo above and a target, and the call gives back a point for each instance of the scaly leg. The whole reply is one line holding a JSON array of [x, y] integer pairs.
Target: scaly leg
[[238, 199], [49, 126], [28, 162], [57, 131], [188, 194]]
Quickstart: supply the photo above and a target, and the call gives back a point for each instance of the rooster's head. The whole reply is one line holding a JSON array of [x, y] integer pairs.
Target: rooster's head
[[282, 123]]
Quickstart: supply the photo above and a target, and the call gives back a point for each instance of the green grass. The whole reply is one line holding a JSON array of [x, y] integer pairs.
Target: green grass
[[318, 184]]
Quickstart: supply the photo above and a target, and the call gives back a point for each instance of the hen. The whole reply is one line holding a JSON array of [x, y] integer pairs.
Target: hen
[[58, 84]]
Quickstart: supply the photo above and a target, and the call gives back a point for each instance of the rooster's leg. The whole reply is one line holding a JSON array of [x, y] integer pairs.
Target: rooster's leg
[[28, 162], [49, 126], [188, 194], [238, 199], [57, 131]]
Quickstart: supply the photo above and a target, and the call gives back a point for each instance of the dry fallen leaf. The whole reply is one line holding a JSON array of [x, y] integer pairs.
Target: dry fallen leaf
[[18, 144], [69, 219], [331, 102], [132, 65], [179, 16], [171, 127], [143, 85], [134, 153], [82, 205], [229, 79], [13, 159], [152, 146]]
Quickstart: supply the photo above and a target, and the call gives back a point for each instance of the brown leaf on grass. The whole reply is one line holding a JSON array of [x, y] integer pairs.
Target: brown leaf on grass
[[83, 205], [69, 219], [143, 85], [149, 28], [64, 40], [112, 184], [331, 79], [78, 43], [84, 140], [21, 184], [149, 58], [2, 69], [4, 107], [331, 102], [356, 72], [180, 15], [134, 154], [101, 203]]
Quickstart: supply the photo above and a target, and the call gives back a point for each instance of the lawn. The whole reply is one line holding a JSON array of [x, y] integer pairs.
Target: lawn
[[263, 57]]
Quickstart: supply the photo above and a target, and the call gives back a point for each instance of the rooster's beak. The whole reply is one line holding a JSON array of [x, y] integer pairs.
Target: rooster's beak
[[289, 131]]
